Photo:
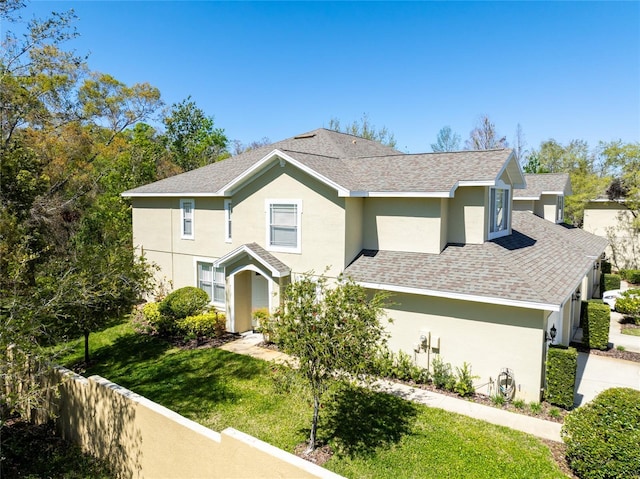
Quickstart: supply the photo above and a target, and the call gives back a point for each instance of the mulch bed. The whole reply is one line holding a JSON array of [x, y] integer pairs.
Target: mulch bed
[[610, 353]]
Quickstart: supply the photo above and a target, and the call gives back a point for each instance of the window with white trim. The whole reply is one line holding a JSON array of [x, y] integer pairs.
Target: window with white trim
[[560, 210], [187, 212], [227, 220], [500, 210], [283, 225], [211, 281]]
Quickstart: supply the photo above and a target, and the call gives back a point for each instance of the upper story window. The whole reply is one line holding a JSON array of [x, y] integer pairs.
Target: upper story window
[[211, 281], [283, 225], [500, 211], [227, 220], [187, 211], [560, 210]]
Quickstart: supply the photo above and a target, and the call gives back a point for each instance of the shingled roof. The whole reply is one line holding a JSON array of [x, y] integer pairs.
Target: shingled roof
[[355, 165], [538, 266], [544, 183]]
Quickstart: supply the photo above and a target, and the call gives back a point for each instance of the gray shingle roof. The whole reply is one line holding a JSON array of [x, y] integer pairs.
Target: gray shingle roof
[[540, 262], [277, 267], [355, 164], [543, 183]]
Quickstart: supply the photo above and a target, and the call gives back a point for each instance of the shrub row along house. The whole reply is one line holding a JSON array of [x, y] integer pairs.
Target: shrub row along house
[[473, 278]]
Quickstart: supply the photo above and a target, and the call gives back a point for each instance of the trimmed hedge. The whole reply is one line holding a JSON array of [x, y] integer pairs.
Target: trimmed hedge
[[610, 281], [183, 302], [562, 364], [605, 266], [595, 327], [602, 436]]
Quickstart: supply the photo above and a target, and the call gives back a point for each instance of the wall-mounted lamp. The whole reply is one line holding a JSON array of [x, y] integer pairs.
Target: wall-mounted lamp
[[595, 266], [576, 296], [551, 335]]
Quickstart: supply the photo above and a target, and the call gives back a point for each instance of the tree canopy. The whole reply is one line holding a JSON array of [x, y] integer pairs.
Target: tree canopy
[[364, 129], [447, 140], [331, 331]]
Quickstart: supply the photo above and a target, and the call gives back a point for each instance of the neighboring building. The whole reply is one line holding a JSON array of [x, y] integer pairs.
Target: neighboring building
[[472, 279], [544, 195], [613, 220]]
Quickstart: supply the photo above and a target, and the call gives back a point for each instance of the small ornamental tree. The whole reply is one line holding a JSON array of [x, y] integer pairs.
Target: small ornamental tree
[[333, 332]]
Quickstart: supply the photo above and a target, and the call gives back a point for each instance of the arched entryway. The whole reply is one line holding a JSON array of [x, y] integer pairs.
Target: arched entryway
[[253, 279]]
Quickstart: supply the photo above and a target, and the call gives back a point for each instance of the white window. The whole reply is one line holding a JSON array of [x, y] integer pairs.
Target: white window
[[560, 210], [227, 220], [500, 206], [187, 208], [283, 225], [211, 281]]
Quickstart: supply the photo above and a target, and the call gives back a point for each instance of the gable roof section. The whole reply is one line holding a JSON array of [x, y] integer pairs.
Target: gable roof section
[[352, 166], [544, 184], [538, 266], [277, 268]]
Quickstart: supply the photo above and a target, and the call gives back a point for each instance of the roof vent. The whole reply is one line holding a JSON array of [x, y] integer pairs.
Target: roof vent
[[308, 135], [353, 141]]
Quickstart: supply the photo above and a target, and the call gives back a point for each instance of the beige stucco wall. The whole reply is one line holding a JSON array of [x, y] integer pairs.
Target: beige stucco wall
[[466, 213], [143, 439], [354, 240], [611, 220], [488, 337], [444, 228], [547, 207], [523, 205], [322, 220], [402, 224], [152, 222]]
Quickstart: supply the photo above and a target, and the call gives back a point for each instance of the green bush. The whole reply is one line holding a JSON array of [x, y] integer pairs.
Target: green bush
[[611, 281], [183, 302], [398, 366], [629, 303], [443, 378], [562, 364], [631, 275], [210, 325], [149, 320], [605, 266], [595, 327], [464, 380], [602, 436]]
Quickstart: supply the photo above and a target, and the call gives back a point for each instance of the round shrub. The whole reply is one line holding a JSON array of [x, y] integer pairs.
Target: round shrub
[[183, 302], [602, 436]]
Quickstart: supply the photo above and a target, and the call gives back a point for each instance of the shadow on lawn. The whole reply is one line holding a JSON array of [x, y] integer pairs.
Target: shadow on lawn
[[189, 382], [359, 420]]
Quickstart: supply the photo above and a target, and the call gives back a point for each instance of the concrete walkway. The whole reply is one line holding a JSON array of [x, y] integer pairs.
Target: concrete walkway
[[628, 342], [248, 345], [597, 373]]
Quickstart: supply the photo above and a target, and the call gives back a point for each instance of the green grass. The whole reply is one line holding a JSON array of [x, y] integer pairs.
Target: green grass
[[373, 434], [631, 331]]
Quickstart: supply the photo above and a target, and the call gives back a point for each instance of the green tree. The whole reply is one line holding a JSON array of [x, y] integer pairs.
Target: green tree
[[485, 136], [575, 159], [364, 129], [332, 332], [191, 136], [447, 140]]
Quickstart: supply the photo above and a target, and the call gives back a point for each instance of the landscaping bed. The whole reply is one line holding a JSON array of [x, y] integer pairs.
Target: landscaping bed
[[363, 433]]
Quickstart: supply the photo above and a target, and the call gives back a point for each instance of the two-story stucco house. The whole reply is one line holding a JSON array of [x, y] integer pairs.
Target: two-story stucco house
[[472, 279]]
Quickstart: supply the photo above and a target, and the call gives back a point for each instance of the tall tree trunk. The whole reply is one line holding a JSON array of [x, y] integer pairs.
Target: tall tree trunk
[[314, 423], [86, 346]]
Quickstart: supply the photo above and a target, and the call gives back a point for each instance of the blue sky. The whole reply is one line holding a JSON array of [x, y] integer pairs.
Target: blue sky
[[563, 70]]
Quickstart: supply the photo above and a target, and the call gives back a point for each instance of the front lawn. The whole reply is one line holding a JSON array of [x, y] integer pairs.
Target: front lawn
[[372, 434]]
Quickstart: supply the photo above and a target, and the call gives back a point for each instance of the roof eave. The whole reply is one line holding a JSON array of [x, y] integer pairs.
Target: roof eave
[[461, 296]]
